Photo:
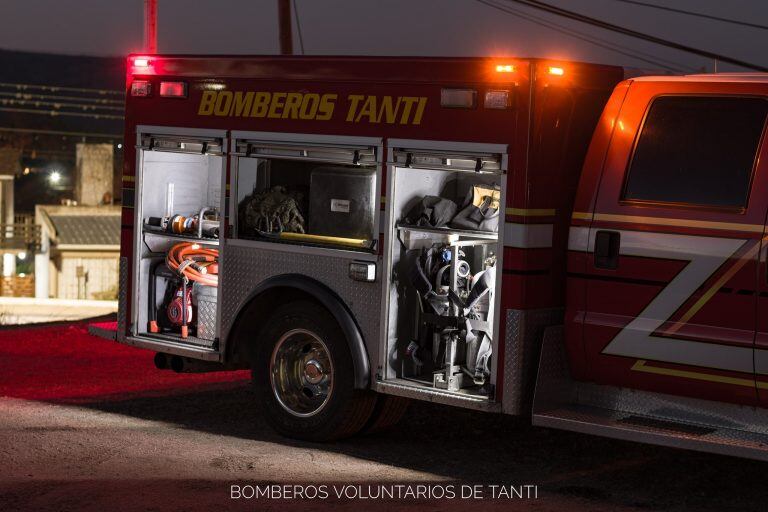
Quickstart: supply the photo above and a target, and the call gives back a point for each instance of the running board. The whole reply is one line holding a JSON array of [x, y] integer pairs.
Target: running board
[[641, 416]]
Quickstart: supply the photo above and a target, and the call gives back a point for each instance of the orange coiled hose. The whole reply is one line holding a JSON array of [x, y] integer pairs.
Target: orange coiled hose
[[194, 262]]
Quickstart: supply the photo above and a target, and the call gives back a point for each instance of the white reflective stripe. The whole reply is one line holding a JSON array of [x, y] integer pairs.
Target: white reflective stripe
[[578, 239], [761, 361], [527, 236], [705, 256]]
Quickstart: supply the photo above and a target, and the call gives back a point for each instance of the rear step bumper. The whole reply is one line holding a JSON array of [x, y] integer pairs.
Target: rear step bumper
[[641, 416]]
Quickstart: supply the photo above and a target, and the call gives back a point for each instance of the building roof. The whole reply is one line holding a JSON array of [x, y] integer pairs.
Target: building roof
[[86, 229], [80, 227]]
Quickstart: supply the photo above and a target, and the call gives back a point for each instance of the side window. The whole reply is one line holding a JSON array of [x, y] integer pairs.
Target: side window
[[697, 150]]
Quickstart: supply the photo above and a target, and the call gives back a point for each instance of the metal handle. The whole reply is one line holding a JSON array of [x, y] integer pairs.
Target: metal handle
[[607, 244]]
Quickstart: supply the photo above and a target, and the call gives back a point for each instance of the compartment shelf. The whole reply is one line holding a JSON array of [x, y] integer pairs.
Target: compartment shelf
[[184, 238], [453, 237]]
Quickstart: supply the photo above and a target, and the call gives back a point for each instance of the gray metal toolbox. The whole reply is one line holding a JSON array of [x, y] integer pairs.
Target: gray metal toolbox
[[342, 202]]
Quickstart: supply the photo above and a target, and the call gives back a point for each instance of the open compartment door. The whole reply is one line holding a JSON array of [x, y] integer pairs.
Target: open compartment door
[[179, 205], [445, 213]]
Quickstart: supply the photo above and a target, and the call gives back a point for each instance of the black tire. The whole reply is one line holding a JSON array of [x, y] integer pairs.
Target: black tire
[[344, 412], [387, 412]]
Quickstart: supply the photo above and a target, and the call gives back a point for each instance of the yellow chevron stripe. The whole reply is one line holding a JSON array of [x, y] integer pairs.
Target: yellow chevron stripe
[[581, 216], [641, 366], [664, 221], [713, 289], [531, 212]]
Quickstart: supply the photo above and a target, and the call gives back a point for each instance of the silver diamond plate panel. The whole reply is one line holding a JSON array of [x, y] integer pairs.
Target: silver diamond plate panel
[[206, 319], [522, 341], [245, 267], [561, 402], [122, 299], [554, 385]]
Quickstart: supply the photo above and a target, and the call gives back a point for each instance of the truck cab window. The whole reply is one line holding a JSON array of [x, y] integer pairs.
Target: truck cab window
[[697, 151]]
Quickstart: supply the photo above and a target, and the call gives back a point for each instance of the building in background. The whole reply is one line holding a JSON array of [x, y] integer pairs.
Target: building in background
[[61, 123], [80, 250]]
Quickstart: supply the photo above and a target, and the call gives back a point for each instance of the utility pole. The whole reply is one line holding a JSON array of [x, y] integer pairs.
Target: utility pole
[[284, 26], [150, 26]]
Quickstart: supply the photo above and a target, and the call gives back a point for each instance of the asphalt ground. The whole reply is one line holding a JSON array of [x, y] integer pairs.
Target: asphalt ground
[[88, 424]]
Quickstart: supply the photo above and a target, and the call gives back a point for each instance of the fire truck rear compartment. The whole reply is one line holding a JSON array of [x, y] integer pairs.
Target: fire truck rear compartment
[[178, 210], [441, 328]]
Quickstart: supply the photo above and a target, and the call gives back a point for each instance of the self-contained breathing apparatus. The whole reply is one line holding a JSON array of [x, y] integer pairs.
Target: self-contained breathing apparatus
[[454, 319]]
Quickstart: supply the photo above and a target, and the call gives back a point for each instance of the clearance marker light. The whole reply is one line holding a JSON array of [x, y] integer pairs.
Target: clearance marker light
[[496, 99], [556, 71], [505, 68], [458, 98], [141, 62]]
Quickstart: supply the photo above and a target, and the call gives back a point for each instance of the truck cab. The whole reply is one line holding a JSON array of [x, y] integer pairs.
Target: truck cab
[[666, 254]]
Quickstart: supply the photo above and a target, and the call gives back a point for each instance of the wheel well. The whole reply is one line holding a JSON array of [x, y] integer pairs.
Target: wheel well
[[285, 288], [253, 315]]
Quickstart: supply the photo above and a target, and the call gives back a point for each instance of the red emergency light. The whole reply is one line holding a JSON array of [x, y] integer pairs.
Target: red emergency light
[[173, 89], [141, 65]]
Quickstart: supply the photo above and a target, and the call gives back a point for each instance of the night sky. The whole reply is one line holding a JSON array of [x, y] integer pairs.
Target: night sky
[[379, 27]]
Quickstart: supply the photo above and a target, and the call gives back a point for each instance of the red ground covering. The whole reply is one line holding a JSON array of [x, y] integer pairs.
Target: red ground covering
[[63, 363]]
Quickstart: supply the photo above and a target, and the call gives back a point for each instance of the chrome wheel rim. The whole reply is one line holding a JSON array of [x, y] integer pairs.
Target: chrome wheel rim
[[301, 372]]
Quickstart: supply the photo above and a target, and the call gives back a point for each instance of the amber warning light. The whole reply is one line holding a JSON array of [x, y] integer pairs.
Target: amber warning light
[[505, 68], [554, 70]]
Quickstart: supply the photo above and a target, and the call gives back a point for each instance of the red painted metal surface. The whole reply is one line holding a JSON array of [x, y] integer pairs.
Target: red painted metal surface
[[547, 127], [724, 309]]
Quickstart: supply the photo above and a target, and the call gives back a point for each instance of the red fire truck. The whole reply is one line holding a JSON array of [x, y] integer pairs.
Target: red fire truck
[[521, 236]]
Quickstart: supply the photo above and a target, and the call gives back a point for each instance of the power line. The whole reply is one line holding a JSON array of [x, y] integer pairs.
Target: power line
[[542, 6], [56, 88], [30, 95], [298, 27], [597, 41], [53, 113], [697, 14], [57, 104]]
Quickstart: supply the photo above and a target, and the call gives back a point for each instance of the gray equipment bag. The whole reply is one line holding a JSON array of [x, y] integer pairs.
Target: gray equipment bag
[[480, 211]]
